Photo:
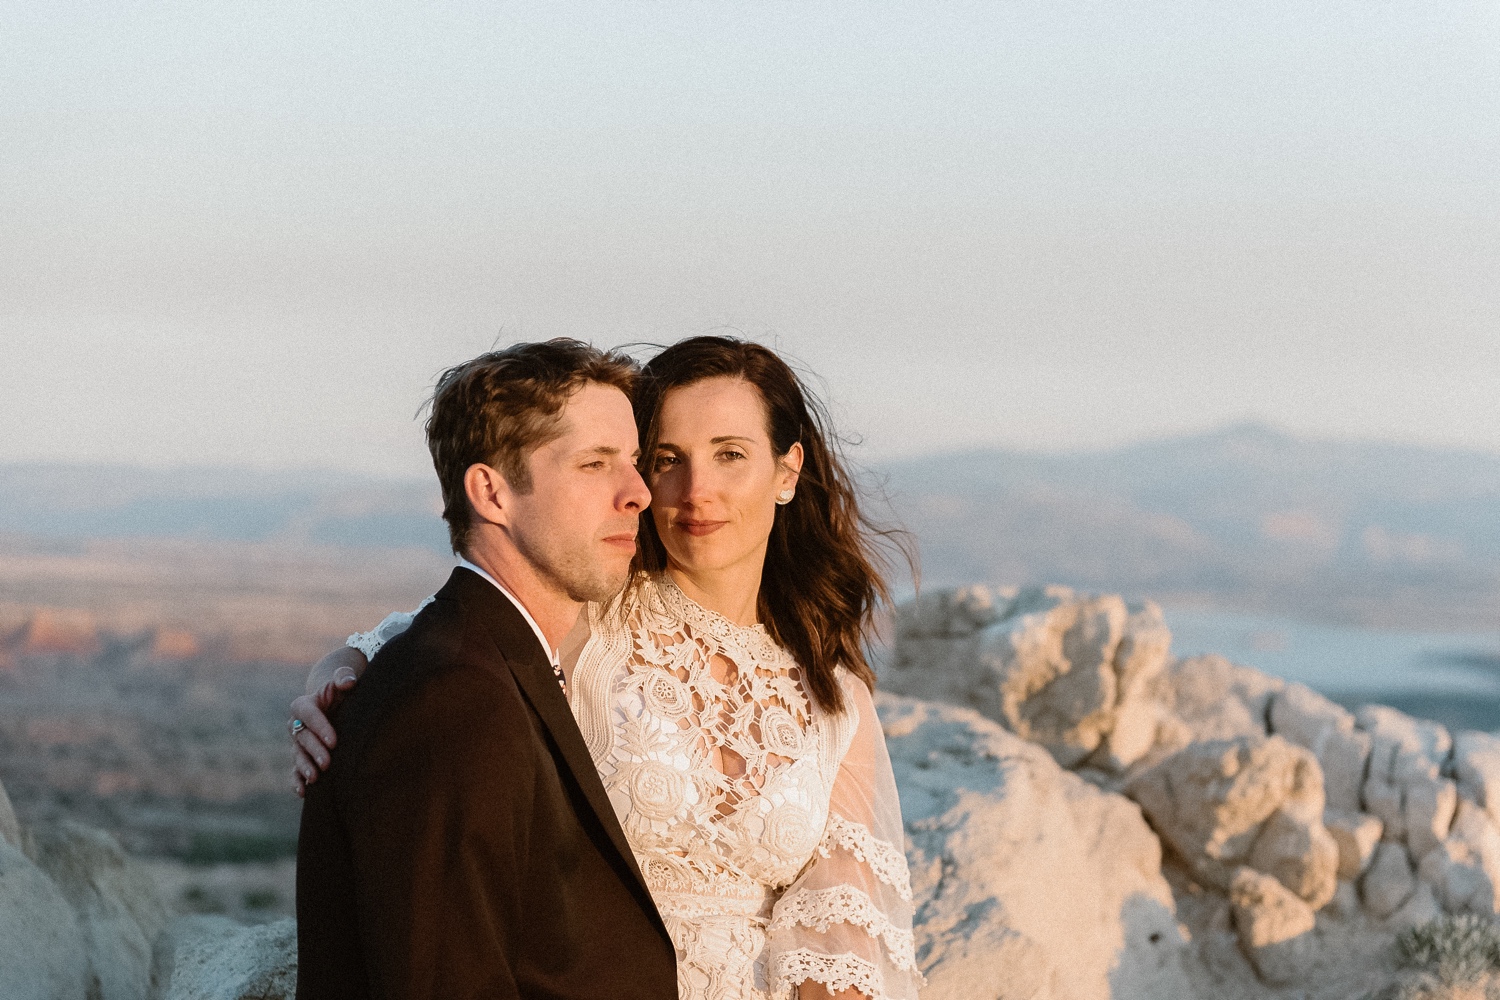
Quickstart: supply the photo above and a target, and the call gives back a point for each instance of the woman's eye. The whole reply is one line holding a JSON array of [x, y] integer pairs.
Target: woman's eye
[[664, 461], [733, 454]]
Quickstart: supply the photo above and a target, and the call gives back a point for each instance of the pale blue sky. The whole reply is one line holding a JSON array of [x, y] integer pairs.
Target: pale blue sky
[[253, 235]]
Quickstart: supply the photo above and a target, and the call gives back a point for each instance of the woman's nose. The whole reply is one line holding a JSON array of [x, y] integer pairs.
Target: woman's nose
[[697, 485]]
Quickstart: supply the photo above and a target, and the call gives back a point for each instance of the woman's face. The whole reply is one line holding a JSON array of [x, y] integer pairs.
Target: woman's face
[[715, 476]]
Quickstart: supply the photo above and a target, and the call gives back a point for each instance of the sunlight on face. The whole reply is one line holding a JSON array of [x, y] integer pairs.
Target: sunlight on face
[[577, 525], [715, 476]]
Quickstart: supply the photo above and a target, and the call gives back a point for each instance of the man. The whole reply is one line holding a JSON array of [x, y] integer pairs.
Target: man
[[461, 844]]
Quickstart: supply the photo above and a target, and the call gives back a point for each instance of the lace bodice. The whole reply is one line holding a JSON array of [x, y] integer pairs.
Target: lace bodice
[[768, 830]]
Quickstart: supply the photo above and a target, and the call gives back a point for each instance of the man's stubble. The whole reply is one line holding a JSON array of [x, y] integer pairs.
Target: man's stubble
[[572, 567]]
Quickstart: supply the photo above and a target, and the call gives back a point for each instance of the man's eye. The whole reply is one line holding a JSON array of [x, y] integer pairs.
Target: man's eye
[[596, 464]]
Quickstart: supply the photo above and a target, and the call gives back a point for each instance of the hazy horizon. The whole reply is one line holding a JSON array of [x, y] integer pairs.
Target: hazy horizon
[[252, 237]]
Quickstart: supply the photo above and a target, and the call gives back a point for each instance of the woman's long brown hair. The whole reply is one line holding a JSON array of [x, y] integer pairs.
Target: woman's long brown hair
[[823, 578]]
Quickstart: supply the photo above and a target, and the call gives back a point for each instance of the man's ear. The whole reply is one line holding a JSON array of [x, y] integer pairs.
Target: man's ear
[[489, 494], [791, 465]]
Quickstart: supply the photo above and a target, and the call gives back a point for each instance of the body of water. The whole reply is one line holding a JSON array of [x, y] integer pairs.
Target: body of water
[[1452, 678]]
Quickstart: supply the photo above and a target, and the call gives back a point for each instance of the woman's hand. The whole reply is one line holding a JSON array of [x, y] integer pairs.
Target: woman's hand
[[330, 679]]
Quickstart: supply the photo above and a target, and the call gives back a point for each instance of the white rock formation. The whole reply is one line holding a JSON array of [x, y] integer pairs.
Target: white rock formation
[[214, 958], [1252, 800], [1275, 926], [115, 904], [1356, 835], [1406, 756], [1389, 881], [1059, 670], [10, 829], [77, 917], [1029, 881], [1378, 818], [1213, 699], [41, 948], [1464, 871], [1476, 765], [1306, 718]]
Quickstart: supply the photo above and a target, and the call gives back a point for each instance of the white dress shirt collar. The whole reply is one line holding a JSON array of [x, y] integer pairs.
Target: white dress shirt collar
[[552, 655]]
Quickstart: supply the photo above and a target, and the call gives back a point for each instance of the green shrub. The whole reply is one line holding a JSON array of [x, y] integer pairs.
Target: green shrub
[[260, 899], [199, 900], [237, 848], [1459, 949]]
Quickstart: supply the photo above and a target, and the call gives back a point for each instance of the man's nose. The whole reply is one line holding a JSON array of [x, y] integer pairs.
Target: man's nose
[[635, 495]]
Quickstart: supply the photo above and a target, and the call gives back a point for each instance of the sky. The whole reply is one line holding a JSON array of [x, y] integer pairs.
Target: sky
[[253, 234]]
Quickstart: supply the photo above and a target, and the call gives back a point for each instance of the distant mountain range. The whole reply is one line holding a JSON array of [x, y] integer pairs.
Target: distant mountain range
[[1245, 517]]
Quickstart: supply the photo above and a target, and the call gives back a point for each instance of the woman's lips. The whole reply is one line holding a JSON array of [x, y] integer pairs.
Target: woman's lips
[[700, 527]]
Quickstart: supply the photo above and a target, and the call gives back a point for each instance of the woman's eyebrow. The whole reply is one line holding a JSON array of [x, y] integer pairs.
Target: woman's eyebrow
[[717, 440]]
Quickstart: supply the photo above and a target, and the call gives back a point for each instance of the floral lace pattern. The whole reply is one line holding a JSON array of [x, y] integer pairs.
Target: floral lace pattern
[[888, 864], [712, 754], [723, 771], [822, 908], [837, 972]]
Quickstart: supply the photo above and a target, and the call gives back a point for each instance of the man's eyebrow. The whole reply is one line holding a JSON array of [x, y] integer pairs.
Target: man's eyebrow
[[603, 449]]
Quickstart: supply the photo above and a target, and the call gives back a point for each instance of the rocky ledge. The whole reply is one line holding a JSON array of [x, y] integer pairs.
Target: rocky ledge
[[1088, 818]]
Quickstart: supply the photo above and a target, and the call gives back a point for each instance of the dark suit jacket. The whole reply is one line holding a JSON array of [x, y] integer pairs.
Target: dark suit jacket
[[461, 844]]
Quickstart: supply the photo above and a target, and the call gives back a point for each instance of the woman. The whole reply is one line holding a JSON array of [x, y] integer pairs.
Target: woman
[[725, 695]]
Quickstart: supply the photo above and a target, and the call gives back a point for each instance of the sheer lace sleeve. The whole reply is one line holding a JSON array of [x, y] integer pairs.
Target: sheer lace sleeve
[[393, 625], [846, 920]]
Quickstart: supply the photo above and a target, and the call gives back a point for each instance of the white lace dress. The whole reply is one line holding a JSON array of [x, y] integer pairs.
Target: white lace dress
[[768, 830]]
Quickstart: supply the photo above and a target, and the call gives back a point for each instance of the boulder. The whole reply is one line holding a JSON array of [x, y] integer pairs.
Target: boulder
[[1356, 835], [1053, 670], [10, 829], [1253, 800], [1345, 902], [1275, 926], [936, 653], [1421, 908], [41, 948], [1427, 805], [1304, 717], [214, 958], [1476, 765], [1140, 663], [1464, 871], [1405, 754], [1062, 670], [1217, 700], [1431, 739], [1388, 882], [116, 905], [1301, 854], [986, 813]]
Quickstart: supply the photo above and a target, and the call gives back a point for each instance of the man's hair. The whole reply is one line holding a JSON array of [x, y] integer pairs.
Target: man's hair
[[500, 407]]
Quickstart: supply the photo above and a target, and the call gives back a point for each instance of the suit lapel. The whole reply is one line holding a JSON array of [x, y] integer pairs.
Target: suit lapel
[[530, 665]]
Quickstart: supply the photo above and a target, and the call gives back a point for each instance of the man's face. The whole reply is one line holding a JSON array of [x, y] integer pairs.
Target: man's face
[[577, 526]]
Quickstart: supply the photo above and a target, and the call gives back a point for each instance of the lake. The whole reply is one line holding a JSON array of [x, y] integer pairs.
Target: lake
[[1452, 678]]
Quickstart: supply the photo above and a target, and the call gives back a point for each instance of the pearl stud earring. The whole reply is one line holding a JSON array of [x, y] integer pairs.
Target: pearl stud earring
[[785, 496]]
